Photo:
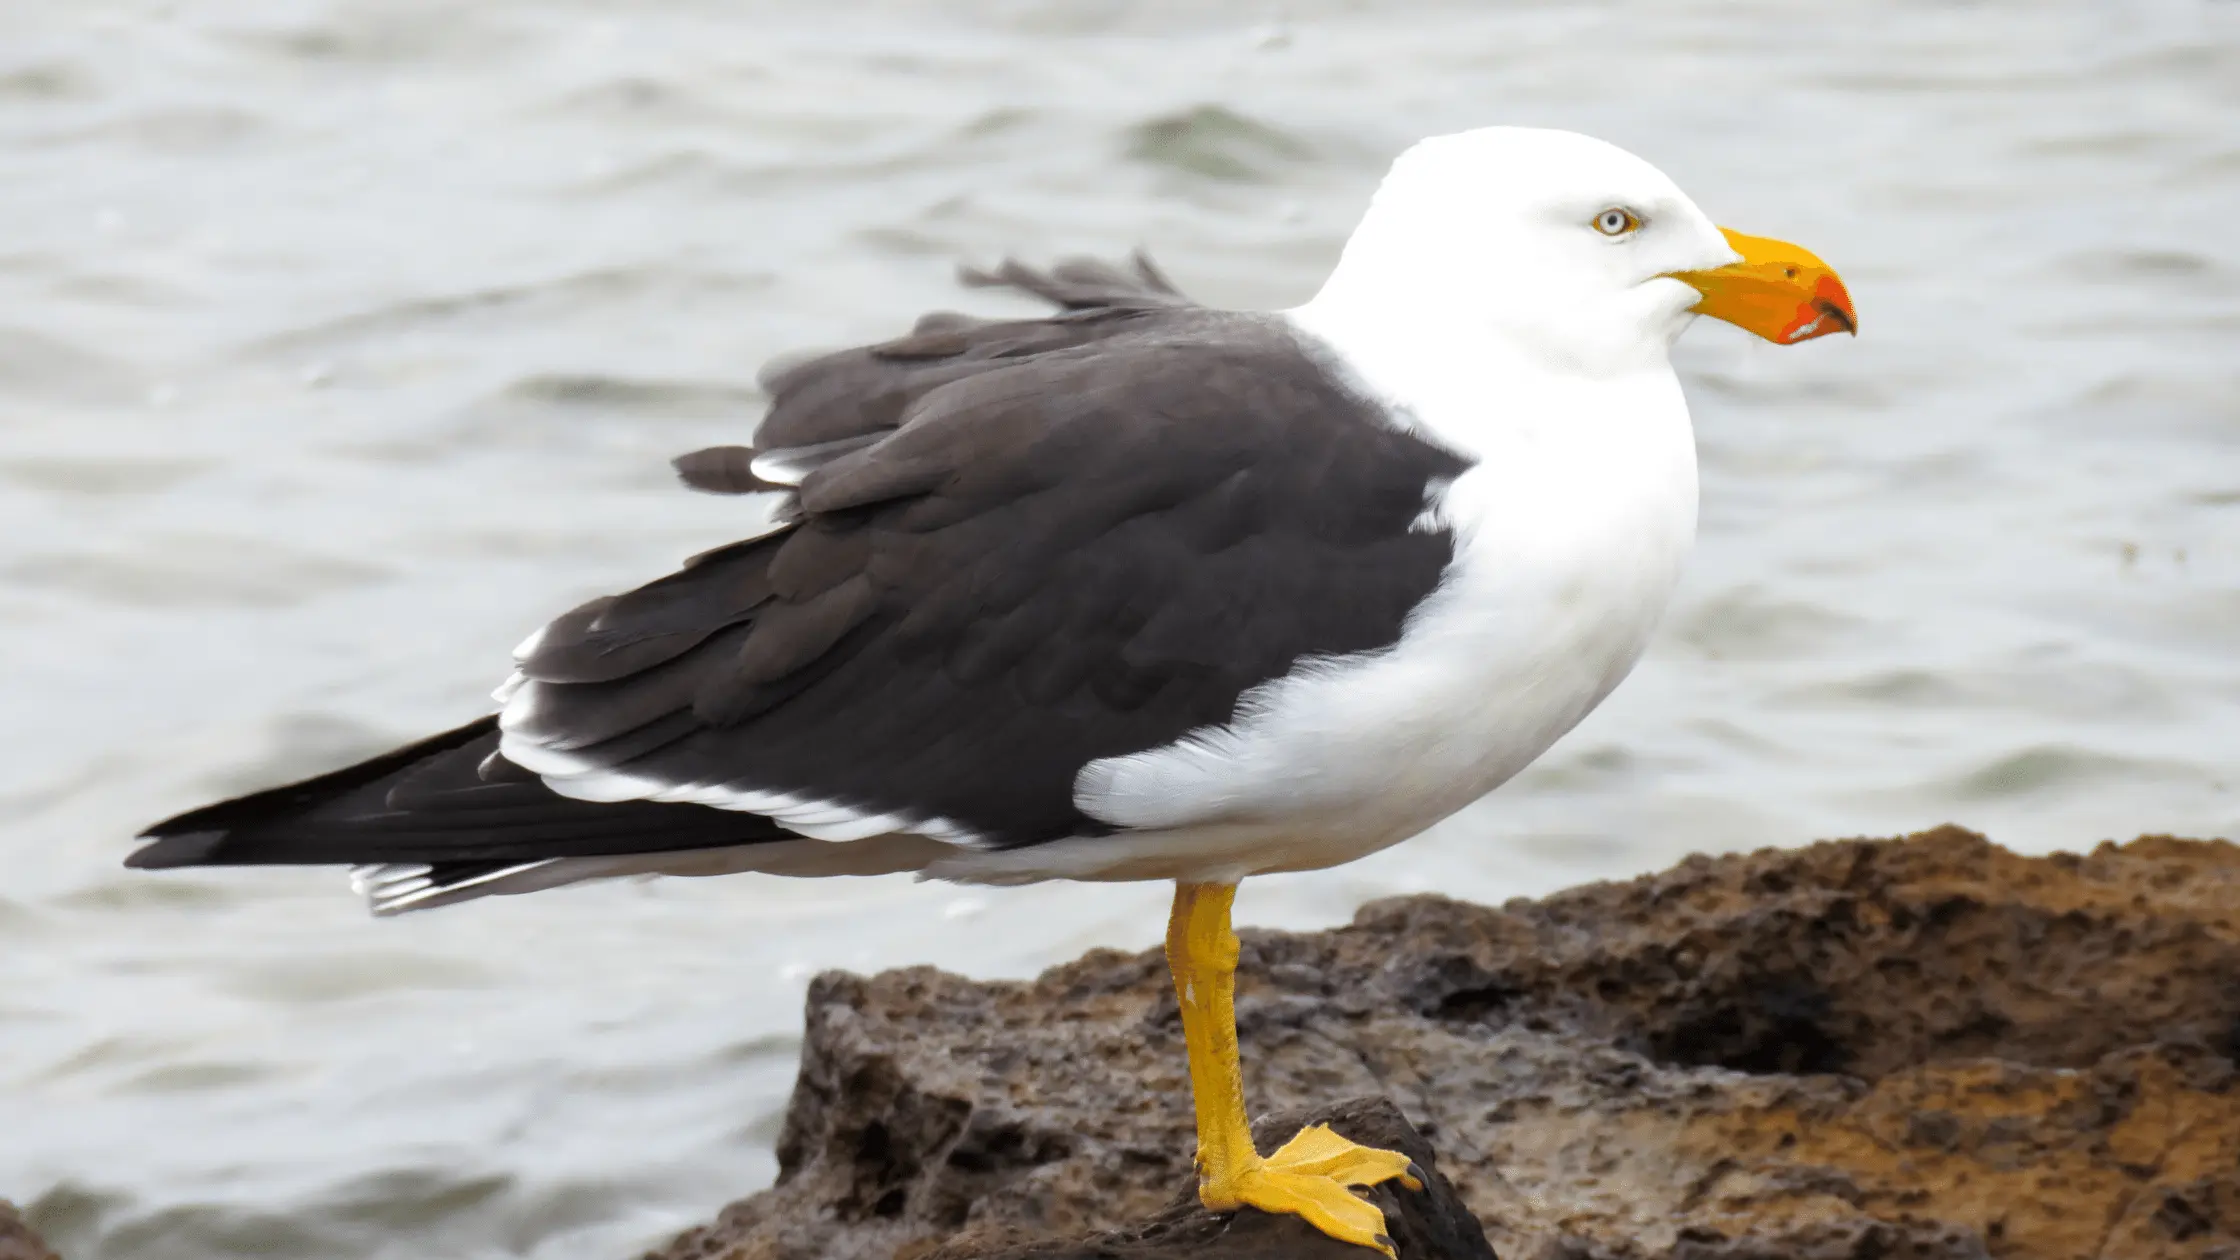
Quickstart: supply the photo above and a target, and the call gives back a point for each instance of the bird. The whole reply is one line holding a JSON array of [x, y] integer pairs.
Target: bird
[[1137, 589]]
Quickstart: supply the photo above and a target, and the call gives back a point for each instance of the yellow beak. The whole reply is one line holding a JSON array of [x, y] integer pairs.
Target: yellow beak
[[1781, 292]]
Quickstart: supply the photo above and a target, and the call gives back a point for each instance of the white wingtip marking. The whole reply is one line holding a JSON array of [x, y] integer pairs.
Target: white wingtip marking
[[578, 782], [521, 708], [581, 778], [774, 468], [545, 760], [815, 819], [853, 827], [383, 882], [504, 692], [949, 831], [386, 899]]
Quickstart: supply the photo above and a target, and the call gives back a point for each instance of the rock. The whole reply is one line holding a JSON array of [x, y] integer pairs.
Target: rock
[[1918, 1049], [1422, 1225], [17, 1242]]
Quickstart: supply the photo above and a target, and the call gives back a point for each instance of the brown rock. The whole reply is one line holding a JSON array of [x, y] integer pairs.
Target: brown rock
[[17, 1242], [1432, 1222], [1920, 1049]]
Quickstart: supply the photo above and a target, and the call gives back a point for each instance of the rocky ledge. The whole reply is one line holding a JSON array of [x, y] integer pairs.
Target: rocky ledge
[[1917, 1049]]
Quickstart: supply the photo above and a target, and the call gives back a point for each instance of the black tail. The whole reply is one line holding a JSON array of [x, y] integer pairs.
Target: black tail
[[448, 799]]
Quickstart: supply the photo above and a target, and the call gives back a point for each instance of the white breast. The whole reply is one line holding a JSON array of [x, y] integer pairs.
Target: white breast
[[1570, 530]]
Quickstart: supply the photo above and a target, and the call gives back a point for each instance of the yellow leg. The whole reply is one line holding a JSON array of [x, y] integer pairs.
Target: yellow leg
[[1307, 1176]]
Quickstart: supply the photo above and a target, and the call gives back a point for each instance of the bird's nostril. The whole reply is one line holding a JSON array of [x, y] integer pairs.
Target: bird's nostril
[[1789, 273]]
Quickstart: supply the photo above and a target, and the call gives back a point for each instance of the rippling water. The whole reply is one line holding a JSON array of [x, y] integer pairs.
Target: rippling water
[[342, 342]]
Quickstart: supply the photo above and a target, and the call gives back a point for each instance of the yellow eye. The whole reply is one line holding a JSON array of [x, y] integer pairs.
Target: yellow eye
[[1617, 221]]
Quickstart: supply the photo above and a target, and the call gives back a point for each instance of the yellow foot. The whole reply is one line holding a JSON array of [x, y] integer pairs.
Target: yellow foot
[[1308, 1177]]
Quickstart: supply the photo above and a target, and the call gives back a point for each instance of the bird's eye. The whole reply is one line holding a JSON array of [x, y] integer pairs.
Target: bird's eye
[[1617, 221]]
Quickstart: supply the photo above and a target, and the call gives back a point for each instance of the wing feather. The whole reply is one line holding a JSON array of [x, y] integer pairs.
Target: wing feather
[[1056, 559]]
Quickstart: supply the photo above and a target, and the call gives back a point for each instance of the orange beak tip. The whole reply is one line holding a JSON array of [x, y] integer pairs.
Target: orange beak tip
[[1835, 302], [1823, 315]]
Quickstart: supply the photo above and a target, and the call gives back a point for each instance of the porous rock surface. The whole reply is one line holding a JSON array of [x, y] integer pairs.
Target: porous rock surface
[[1431, 1222], [1917, 1049]]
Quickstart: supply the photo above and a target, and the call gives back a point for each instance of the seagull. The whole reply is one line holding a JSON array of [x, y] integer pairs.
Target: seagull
[[1137, 590]]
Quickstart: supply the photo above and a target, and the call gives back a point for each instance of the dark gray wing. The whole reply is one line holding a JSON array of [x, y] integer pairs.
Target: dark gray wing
[[827, 404], [1069, 540]]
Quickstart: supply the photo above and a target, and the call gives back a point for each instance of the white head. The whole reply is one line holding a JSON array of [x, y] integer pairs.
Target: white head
[[1564, 246]]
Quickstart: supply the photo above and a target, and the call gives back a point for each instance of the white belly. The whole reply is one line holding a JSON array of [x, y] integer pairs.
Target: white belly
[[1570, 531]]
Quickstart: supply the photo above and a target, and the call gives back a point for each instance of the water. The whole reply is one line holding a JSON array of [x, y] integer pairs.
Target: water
[[341, 343]]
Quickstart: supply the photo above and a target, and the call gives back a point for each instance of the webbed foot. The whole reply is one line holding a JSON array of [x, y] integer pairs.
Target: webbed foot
[[1310, 1177]]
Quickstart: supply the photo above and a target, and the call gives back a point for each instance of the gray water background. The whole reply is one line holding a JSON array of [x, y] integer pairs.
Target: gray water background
[[342, 342]]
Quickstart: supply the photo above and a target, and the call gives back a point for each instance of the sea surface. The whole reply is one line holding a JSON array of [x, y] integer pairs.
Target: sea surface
[[343, 341]]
